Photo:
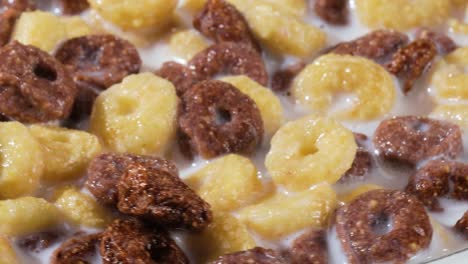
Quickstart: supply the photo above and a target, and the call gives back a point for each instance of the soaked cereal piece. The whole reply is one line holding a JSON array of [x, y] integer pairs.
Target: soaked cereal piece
[[39, 241], [410, 139], [218, 119], [370, 87], [310, 247], [462, 225], [456, 113], [362, 161], [72, 7], [356, 192], [309, 151], [21, 161], [128, 241], [266, 101], [181, 76], [255, 255], [223, 236], [282, 215], [332, 11], [222, 22], [81, 209], [105, 171], [99, 61], [228, 183], [10, 12], [77, 249], [27, 215], [283, 78], [377, 45], [38, 88], [444, 43], [450, 78], [66, 152], [186, 44], [439, 178], [230, 58], [403, 14], [8, 255], [410, 62], [132, 15], [137, 115], [365, 232]]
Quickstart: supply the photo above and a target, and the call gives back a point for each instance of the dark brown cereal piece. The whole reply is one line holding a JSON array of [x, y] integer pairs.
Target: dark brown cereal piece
[[76, 250], [221, 21], [38, 241], [310, 247], [231, 58], [162, 198], [410, 62], [283, 78], [332, 11], [99, 61], [128, 241], [439, 178], [72, 7], [377, 45], [10, 11], [443, 42], [410, 139], [106, 170], [362, 227], [180, 75], [256, 255], [362, 162], [84, 102], [217, 119], [35, 87], [462, 225]]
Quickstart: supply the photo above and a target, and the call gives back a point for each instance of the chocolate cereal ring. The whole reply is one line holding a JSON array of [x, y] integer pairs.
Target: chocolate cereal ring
[[35, 86], [216, 118], [362, 227], [439, 178], [10, 11], [230, 58], [462, 226], [76, 250], [72, 7], [256, 255], [410, 139], [362, 161], [310, 247], [181, 76]]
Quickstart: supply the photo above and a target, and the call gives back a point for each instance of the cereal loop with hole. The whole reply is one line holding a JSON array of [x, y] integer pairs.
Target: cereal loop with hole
[[318, 85], [449, 79]]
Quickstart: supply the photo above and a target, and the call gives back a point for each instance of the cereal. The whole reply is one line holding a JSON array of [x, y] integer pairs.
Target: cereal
[[309, 151], [187, 43], [269, 105], [356, 192], [456, 113], [76, 26], [310, 247], [295, 8], [75, 250], [181, 76], [38, 88], [410, 62], [462, 225], [439, 178], [83, 105], [449, 79], [137, 115], [105, 171], [66, 152], [332, 11], [21, 161], [26, 215], [329, 75], [8, 255], [218, 119], [402, 14], [409, 139], [282, 214], [362, 227], [362, 161], [444, 43], [228, 183], [11, 11], [81, 209], [192, 5], [71, 7], [141, 14], [128, 241], [230, 58], [39, 241], [222, 22], [283, 78], [99, 61], [255, 255]]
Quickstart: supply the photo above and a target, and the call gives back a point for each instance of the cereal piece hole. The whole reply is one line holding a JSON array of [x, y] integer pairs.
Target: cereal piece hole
[[308, 149], [381, 224], [420, 127], [126, 106], [222, 117], [44, 71]]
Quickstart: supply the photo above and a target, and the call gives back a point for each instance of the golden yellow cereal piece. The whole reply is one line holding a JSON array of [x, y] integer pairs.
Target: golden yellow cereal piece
[[185, 44], [137, 115], [267, 102], [309, 151], [27, 215], [192, 5], [66, 152], [7, 253], [21, 161], [131, 14], [282, 214], [297, 8], [349, 196], [369, 87], [75, 26], [450, 79], [403, 14], [81, 209], [456, 113], [457, 26], [223, 236], [228, 183], [460, 2]]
